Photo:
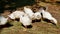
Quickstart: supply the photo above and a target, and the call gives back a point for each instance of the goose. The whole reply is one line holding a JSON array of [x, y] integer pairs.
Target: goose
[[25, 20], [37, 15], [47, 15], [29, 12], [16, 14], [3, 20]]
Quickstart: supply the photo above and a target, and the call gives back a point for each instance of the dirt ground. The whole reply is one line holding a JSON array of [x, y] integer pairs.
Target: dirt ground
[[41, 27]]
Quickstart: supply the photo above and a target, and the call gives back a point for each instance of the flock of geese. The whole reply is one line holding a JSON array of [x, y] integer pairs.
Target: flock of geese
[[27, 16]]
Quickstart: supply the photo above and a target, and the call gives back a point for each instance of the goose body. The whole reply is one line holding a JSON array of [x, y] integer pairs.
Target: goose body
[[16, 14], [29, 12], [47, 15], [3, 20], [37, 15], [25, 20]]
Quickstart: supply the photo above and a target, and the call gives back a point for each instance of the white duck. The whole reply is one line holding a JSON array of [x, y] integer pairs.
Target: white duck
[[48, 16], [3, 20]]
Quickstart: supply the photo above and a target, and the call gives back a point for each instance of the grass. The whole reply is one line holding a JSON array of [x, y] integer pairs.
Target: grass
[[38, 28]]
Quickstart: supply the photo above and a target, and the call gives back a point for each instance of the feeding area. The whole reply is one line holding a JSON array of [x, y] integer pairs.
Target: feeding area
[[29, 17]]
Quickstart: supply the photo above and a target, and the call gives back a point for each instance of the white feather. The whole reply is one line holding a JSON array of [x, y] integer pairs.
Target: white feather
[[3, 20], [25, 20], [16, 14], [48, 16], [37, 15], [29, 12]]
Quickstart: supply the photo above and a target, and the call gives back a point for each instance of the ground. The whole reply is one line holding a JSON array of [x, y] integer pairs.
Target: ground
[[41, 27]]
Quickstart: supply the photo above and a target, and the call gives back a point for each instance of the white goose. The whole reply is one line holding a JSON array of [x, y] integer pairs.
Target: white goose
[[3, 20], [29, 12], [25, 20], [37, 15], [48, 16], [16, 14]]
